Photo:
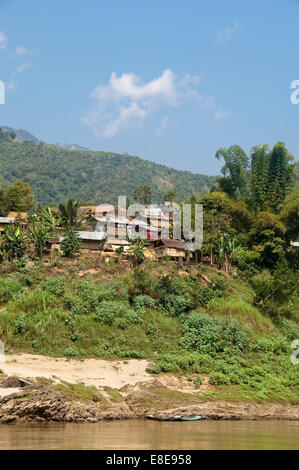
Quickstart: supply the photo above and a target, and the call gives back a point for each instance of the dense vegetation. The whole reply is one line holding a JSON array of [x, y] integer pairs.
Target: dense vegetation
[[181, 322], [56, 173], [231, 315]]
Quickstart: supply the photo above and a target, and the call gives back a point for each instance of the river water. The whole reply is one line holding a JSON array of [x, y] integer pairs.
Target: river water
[[141, 434]]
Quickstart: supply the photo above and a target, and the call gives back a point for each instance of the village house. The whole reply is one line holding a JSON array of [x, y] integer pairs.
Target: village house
[[4, 221], [10, 219], [89, 240], [169, 247], [156, 221], [103, 209]]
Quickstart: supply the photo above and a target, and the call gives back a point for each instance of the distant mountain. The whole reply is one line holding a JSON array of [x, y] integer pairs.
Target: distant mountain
[[21, 134], [56, 173]]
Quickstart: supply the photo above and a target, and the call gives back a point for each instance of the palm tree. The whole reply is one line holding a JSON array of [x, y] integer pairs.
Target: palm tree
[[69, 215]]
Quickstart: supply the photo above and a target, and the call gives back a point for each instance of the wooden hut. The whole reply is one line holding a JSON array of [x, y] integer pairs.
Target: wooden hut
[[169, 247], [89, 240]]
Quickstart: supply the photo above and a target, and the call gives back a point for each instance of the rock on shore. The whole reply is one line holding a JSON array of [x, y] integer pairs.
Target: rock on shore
[[47, 402]]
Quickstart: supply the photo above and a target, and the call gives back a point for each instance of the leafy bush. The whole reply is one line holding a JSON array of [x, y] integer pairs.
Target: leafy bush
[[71, 351], [20, 324], [173, 305], [198, 382], [70, 244], [144, 301], [111, 312], [10, 288], [184, 361], [218, 378], [54, 286], [206, 334]]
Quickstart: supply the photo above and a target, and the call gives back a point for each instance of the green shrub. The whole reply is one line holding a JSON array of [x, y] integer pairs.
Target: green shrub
[[20, 324], [143, 302], [70, 244], [209, 335], [10, 288], [173, 305], [71, 351], [218, 378], [111, 312], [198, 382], [55, 286]]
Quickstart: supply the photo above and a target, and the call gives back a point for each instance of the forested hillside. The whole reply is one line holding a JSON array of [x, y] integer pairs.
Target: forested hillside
[[56, 173]]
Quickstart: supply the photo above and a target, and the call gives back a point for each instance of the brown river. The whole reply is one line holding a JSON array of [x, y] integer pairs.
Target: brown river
[[139, 434]]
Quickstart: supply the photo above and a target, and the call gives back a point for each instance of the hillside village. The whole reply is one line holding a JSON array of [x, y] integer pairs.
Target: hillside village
[[86, 282], [111, 234]]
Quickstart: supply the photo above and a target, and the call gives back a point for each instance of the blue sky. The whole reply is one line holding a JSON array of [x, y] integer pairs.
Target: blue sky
[[168, 80]]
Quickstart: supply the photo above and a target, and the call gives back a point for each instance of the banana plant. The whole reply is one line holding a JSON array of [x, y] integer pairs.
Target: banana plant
[[228, 252], [14, 242], [38, 233]]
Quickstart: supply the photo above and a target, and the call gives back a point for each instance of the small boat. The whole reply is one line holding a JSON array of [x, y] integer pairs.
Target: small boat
[[191, 418], [174, 418]]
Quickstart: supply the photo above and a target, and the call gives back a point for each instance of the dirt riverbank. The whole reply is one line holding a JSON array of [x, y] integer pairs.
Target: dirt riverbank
[[37, 388]]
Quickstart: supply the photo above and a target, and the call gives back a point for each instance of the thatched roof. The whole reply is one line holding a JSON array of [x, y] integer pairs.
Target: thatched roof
[[170, 243]]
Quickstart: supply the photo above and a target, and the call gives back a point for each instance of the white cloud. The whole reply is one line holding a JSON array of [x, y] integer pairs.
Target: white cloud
[[21, 51], [3, 40], [127, 101], [12, 83], [163, 126], [222, 114], [227, 32]]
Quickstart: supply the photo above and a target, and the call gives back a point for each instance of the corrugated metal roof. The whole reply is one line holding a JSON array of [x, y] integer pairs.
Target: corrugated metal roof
[[89, 236], [7, 220]]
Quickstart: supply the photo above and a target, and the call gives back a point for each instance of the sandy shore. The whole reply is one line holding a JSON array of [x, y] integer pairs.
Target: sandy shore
[[97, 372]]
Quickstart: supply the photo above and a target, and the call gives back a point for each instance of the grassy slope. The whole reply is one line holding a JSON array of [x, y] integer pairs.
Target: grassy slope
[[87, 309]]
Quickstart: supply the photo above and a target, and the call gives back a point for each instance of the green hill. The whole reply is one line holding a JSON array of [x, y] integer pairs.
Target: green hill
[[56, 173]]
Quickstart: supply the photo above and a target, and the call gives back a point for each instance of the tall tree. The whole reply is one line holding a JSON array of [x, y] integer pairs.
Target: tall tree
[[143, 194], [170, 196], [290, 215], [267, 238], [235, 171], [19, 197], [280, 174], [260, 159]]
